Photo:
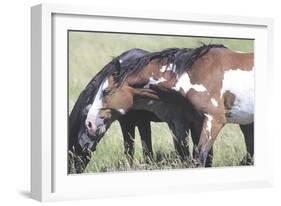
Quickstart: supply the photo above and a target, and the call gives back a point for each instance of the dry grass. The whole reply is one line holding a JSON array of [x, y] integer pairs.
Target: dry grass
[[229, 150]]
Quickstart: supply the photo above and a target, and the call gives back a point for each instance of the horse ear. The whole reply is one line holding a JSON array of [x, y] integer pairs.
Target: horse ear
[[117, 67]]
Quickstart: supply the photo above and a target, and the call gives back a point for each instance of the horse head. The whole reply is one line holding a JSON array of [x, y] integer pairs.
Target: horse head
[[89, 118]]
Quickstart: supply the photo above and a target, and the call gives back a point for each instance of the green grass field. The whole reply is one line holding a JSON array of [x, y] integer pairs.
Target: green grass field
[[89, 52]]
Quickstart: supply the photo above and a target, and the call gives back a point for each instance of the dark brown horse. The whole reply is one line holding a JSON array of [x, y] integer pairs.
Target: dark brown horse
[[216, 81]]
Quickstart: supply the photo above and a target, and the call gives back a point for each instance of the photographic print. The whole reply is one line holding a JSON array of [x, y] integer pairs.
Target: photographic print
[[157, 102]]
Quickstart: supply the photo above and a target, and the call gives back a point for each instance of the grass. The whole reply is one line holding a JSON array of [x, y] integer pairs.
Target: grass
[[89, 52]]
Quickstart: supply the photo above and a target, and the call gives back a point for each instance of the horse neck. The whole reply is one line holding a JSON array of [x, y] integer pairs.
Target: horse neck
[[225, 59], [233, 60]]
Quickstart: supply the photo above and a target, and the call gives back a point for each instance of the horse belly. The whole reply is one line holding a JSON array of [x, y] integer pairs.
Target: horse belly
[[241, 84]]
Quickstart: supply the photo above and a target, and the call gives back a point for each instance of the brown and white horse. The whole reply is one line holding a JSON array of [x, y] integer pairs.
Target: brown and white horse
[[217, 82]]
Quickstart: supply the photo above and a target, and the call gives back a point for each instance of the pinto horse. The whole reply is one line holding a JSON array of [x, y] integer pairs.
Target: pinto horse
[[213, 80], [81, 143]]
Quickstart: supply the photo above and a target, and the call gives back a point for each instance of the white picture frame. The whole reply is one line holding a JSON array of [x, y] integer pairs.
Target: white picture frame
[[49, 179]]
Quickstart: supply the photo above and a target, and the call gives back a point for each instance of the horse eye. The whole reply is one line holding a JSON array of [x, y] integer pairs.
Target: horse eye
[[105, 92]]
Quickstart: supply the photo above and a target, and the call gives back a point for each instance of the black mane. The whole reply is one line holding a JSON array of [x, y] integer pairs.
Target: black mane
[[111, 68], [181, 58]]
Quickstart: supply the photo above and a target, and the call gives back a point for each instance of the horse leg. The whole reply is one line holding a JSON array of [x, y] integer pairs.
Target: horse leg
[[128, 130], [209, 133], [248, 131], [180, 138], [145, 134], [196, 129]]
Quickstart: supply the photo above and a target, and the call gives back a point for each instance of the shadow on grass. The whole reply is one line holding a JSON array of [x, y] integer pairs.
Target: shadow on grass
[[25, 193]]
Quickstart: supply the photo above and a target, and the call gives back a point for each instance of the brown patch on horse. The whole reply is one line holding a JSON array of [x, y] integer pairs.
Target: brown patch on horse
[[229, 99], [242, 61], [150, 70]]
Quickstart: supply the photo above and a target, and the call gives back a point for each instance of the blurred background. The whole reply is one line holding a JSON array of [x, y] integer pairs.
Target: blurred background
[[89, 52]]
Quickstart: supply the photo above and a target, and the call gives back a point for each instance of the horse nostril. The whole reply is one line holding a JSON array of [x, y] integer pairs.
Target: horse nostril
[[89, 124]]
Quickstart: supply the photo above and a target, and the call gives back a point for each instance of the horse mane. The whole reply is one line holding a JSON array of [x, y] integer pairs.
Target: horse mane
[[181, 58], [112, 68]]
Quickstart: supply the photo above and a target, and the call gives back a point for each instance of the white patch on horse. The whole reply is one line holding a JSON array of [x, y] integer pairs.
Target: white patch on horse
[[209, 125], [86, 109], [153, 81], [122, 111], [241, 84], [97, 104], [198, 87], [185, 84], [170, 67], [214, 102]]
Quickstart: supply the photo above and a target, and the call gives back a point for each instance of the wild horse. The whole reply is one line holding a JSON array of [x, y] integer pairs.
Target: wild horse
[[213, 81], [82, 143]]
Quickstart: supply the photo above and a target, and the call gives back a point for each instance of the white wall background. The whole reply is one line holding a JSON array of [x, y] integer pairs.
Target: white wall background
[[15, 101]]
